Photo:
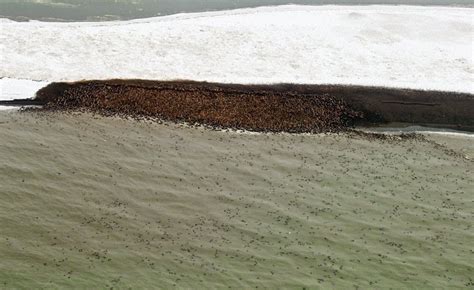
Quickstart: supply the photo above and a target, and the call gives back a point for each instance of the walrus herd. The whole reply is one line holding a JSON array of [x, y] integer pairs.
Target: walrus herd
[[255, 110], [263, 108]]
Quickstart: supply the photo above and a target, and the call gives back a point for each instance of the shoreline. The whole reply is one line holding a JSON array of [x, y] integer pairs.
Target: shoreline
[[121, 18], [263, 108]]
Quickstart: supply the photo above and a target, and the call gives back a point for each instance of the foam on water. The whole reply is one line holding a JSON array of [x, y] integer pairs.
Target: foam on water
[[11, 89], [395, 46]]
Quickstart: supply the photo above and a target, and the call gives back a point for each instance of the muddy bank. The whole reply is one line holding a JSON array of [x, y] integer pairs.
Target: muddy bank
[[274, 108]]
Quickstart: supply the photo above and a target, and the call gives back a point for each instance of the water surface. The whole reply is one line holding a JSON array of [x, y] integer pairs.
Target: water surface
[[93, 203], [97, 10]]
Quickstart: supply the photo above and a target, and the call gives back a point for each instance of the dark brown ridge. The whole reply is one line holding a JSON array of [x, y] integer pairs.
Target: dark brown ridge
[[274, 108]]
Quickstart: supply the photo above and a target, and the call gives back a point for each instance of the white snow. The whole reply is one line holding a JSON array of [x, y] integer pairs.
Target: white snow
[[396, 46]]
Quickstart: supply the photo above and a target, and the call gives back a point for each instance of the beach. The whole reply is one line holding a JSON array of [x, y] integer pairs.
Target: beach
[[287, 108]]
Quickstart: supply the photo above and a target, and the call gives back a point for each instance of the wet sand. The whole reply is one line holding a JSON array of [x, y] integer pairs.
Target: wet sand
[[94, 202]]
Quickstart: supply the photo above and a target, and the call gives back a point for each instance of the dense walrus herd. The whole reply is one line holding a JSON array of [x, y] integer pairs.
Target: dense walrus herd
[[256, 110], [263, 108]]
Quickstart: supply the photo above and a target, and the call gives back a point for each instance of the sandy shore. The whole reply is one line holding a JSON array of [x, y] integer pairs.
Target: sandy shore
[[268, 108]]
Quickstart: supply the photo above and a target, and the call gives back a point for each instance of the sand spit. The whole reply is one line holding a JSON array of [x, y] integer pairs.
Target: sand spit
[[263, 108]]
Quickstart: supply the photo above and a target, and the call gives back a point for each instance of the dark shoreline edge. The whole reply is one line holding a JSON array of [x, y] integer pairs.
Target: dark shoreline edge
[[271, 108]]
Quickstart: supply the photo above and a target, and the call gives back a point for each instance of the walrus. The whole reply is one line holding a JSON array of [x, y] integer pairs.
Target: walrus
[[274, 107]]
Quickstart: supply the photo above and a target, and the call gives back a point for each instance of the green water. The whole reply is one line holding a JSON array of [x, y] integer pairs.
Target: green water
[[97, 10], [93, 203]]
